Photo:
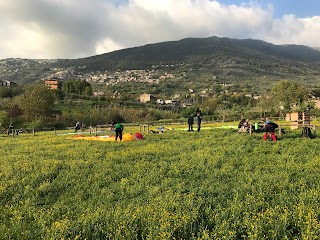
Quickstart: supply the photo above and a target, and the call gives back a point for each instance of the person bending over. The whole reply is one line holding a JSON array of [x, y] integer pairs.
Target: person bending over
[[119, 130], [269, 129]]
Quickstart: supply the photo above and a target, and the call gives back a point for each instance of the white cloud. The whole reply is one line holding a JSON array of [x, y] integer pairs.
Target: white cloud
[[80, 28], [290, 29], [107, 45]]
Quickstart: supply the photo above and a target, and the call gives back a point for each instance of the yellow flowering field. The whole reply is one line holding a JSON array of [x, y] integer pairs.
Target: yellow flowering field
[[216, 184]]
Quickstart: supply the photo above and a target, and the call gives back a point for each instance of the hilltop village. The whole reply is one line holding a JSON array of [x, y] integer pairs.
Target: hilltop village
[[111, 78], [157, 77]]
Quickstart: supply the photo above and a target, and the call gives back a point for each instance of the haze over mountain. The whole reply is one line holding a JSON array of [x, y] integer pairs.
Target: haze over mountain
[[233, 59]]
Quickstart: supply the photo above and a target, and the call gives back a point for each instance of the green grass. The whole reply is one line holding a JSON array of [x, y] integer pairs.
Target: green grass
[[176, 185]]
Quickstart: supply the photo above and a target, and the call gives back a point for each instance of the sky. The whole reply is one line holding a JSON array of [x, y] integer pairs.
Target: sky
[[50, 29]]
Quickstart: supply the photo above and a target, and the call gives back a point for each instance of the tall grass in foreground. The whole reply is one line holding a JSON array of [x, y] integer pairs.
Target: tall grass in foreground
[[215, 184]]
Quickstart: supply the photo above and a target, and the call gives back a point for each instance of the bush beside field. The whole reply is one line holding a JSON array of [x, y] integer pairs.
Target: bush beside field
[[216, 184]]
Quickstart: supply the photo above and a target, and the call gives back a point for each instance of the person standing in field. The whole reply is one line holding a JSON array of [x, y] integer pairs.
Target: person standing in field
[[198, 120], [269, 128], [190, 122], [119, 130], [112, 123], [77, 127]]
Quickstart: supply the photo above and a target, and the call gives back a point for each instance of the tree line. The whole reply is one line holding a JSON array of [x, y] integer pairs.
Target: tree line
[[37, 106]]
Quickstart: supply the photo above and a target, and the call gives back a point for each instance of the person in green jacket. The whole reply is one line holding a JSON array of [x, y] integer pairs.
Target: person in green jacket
[[119, 130]]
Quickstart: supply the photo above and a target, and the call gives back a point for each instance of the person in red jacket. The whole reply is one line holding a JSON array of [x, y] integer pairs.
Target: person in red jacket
[[269, 129]]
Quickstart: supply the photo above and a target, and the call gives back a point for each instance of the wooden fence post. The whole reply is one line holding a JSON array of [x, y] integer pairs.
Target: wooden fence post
[[279, 130], [144, 128]]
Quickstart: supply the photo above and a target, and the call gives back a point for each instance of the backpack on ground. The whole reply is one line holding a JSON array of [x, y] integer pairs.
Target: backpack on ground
[[306, 132], [274, 125]]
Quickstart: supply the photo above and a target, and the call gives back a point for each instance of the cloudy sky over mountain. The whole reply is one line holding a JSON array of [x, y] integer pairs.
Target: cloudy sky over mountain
[[81, 28]]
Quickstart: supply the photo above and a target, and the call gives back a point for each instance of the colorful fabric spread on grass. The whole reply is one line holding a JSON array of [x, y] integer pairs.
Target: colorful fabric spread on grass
[[79, 133], [106, 138]]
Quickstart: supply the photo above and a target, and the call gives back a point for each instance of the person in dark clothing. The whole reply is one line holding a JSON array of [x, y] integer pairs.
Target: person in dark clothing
[[190, 123], [269, 129], [112, 123], [10, 128], [198, 120], [241, 123], [77, 127], [119, 130]]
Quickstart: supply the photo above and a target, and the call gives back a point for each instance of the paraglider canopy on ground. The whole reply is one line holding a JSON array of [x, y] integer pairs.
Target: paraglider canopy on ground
[[106, 138]]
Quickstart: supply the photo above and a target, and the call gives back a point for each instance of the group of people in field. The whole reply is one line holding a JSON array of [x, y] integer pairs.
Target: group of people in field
[[191, 121], [244, 126], [266, 126]]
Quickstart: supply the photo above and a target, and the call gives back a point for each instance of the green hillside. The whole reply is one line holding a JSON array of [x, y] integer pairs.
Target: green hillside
[[229, 59], [197, 52], [237, 59]]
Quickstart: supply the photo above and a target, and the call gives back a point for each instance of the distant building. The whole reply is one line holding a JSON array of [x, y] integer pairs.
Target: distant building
[[53, 83], [160, 101], [98, 94], [187, 104], [176, 96], [316, 103], [147, 98], [167, 75], [5, 83]]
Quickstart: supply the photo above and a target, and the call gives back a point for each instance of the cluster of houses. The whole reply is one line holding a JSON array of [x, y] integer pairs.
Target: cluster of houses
[[144, 98], [56, 83], [112, 78], [142, 76]]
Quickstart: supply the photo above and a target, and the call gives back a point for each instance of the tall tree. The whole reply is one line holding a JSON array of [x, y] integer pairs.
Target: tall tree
[[10, 114], [80, 87], [289, 95], [266, 104], [36, 102]]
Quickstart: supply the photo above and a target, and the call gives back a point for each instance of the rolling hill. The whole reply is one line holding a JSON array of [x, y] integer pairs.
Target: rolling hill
[[229, 59]]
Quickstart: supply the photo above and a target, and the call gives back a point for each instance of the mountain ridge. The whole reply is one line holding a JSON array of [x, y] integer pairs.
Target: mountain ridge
[[233, 58]]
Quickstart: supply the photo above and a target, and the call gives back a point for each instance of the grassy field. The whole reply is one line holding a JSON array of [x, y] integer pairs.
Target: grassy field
[[216, 184]]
